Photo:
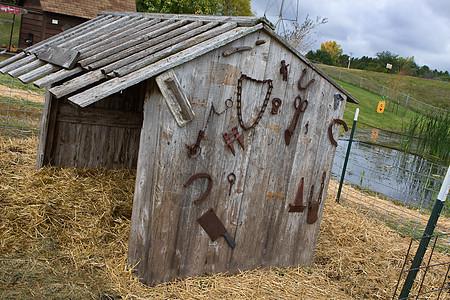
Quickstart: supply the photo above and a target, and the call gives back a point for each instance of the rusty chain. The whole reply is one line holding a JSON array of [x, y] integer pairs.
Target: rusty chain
[[239, 104]]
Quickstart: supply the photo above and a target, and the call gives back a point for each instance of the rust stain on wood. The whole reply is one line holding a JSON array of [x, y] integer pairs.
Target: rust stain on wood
[[225, 74]]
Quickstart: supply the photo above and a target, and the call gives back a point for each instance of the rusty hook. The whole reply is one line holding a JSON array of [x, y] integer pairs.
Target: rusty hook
[[300, 87], [330, 130], [208, 189]]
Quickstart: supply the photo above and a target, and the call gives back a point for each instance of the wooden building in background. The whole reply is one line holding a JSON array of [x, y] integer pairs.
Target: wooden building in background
[[47, 18]]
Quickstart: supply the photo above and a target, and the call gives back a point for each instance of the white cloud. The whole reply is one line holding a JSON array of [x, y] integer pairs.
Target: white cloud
[[419, 28]]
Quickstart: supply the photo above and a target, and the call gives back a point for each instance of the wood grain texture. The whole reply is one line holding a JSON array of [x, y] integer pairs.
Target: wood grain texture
[[166, 242]]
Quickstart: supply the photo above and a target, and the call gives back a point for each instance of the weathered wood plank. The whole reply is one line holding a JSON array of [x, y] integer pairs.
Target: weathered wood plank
[[18, 63], [77, 83], [12, 59], [43, 131], [175, 98], [26, 68], [126, 49], [101, 31], [117, 84], [101, 117], [125, 32], [60, 56], [164, 49], [38, 73], [57, 76], [71, 33], [242, 21]]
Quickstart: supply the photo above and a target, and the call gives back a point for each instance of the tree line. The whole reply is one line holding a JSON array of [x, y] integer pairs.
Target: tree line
[[330, 53]]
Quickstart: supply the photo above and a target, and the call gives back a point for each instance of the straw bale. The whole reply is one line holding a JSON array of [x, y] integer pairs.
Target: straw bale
[[64, 234]]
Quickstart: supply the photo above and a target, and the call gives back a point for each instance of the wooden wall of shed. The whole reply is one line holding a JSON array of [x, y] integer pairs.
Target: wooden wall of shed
[[165, 239], [105, 134]]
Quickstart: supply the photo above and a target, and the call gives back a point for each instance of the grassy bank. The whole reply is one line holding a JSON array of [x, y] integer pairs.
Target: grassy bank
[[433, 92]]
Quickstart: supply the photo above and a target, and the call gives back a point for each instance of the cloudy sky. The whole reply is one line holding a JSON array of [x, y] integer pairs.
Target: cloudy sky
[[419, 28]]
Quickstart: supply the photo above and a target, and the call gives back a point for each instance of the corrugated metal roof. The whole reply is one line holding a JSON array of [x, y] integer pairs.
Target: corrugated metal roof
[[117, 50]]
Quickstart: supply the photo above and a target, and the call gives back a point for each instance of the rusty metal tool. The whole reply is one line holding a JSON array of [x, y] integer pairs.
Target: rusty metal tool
[[214, 227], [299, 108], [306, 127], [229, 142], [195, 149], [276, 103], [313, 206], [298, 205], [299, 84], [208, 189], [231, 179], [330, 129], [284, 70]]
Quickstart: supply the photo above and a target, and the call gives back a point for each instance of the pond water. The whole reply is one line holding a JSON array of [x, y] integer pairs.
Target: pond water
[[404, 177]]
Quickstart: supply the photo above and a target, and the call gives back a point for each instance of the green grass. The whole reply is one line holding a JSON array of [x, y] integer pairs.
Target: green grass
[[433, 92], [393, 119], [5, 29]]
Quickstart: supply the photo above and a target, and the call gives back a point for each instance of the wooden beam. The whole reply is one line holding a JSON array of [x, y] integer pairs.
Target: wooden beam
[[123, 32], [106, 55], [242, 21], [12, 59], [56, 77], [38, 73], [129, 56], [68, 34], [169, 47], [18, 63], [77, 83], [43, 131], [26, 68], [117, 84], [102, 31]]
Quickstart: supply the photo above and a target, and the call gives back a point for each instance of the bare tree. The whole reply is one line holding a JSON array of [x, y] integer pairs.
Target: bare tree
[[301, 35]]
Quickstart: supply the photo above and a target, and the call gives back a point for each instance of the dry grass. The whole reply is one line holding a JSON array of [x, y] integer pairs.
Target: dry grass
[[64, 234]]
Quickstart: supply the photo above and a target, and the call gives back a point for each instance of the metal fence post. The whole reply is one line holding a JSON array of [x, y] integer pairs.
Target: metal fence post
[[440, 201], [346, 156]]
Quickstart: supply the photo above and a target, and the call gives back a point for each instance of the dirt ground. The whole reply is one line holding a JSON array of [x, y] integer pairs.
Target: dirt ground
[[64, 235]]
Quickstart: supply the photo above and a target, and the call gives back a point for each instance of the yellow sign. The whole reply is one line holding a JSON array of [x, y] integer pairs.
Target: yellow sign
[[381, 105]]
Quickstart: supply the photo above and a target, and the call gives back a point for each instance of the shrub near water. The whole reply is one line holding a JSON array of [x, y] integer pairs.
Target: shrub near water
[[429, 135]]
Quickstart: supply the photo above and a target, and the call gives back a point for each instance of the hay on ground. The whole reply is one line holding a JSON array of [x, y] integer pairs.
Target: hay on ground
[[64, 234]]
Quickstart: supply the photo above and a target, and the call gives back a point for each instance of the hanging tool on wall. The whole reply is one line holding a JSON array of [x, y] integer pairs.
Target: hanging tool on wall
[[300, 106], [195, 150], [298, 205], [276, 103], [313, 206], [229, 142], [284, 70], [208, 189], [299, 84], [330, 129], [239, 100], [214, 227]]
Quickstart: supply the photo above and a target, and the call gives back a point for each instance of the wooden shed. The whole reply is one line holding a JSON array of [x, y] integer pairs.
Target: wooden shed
[[232, 132], [47, 18]]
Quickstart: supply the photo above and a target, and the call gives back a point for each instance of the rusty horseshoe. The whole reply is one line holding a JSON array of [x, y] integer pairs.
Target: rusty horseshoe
[[208, 189], [330, 129]]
